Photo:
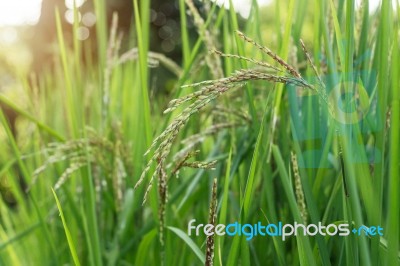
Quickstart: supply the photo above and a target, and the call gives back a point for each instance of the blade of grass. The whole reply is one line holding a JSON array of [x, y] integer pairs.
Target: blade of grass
[[241, 51], [71, 243], [184, 34], [283, 53], [200, 255], [144, 248], [101, 32], [31, 118], [72, 103], [394, 151]]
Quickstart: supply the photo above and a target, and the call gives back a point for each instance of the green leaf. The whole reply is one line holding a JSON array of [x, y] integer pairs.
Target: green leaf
[[67, 233], [189, 242]]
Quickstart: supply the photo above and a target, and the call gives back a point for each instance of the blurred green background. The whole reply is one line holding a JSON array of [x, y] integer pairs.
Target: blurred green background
[[83, 89]]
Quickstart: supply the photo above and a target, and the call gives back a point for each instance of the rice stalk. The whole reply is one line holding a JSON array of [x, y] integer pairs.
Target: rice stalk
[[162, 193], [212, 60], [111, 156], [154, 60], [299, 188], [212, 217], [209, 91], [112, 53]]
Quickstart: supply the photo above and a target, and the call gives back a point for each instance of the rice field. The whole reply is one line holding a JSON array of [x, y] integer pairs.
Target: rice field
[[290, 116]]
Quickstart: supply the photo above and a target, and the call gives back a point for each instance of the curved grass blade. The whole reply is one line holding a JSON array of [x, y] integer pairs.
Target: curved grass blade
[[67, 232]]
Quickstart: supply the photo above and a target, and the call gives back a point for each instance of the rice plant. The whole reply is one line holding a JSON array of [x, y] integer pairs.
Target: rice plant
[[288, 116]]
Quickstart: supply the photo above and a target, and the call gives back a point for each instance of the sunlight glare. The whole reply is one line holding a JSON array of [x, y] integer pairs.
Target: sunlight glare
[[18, 12]]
